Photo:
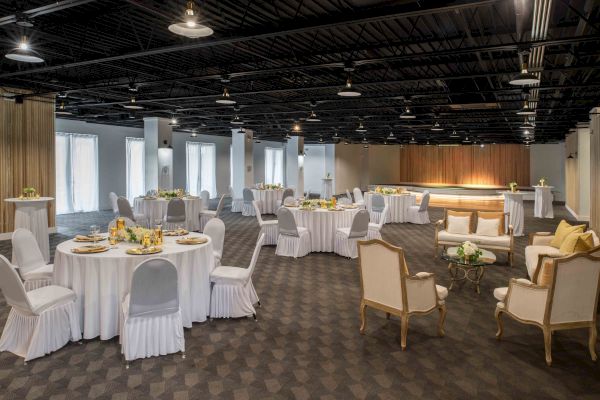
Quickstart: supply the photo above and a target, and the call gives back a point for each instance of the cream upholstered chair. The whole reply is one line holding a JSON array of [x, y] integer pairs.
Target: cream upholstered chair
[[151, 323], [420, 214], [206, 214], [205, 196], [247, 207], [126, 211], [236, 203], [377, 206], [567, 300], [31, 264], [40, 321], [113, 202], [215, 230], [387, 285], [292, 240], [358, 197], [269, 228], [175, 216], [375, 228], [233, 294], [346, 239]]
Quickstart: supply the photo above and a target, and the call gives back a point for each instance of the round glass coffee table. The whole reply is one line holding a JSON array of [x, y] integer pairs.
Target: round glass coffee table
[[472, 271]]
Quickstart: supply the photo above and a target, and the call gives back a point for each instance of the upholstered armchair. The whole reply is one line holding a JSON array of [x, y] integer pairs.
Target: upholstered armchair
[[567, 298], [386, 285]]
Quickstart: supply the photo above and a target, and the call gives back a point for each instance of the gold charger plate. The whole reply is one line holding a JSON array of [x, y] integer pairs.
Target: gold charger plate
[[87, 239], [140, 251], [90, 249], [178, 232], [349, 207], [192, 240], [335, 209]]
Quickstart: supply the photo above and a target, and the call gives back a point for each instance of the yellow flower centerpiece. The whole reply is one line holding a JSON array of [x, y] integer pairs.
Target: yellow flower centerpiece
[[134, 234], [171, 194], [513, 186], [542, 181]]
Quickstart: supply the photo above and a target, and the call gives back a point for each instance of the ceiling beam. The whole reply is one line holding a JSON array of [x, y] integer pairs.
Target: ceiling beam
[[43, 10]]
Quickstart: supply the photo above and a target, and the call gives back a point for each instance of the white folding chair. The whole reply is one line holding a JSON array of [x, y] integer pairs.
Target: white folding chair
[[374, 231], [420, 214], [269, 228], [292, 240], [31, 264], [206, 214], [346, 238], [215, 229]]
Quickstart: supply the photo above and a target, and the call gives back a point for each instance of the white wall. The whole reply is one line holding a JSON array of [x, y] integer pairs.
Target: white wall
[[314, 167], [548, 160]]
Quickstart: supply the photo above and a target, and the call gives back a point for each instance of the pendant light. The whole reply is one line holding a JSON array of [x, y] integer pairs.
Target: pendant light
[[412, 140], [194, 133], [361, 127], [407, 114], [527, 125], [526, 110], [436, 127], [296, 127], [61, 110], [525, 77], [225, 98], [321, 139], [288, 136], [348, 90], [236, 120], [346, 142], [391, 136], [132, 105], [173, 123], [312, 117], [454, 134], [24, 53], [190, 26], [467, 140]]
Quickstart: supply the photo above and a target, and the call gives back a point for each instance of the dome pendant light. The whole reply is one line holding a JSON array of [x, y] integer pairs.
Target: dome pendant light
[[312, 117], [391, 136], [61, 110], [190, 27], [361, 127], [225, 98], [347, 90], [436, 127], [526, 110], [237, 120], [24, 53], [173, 123], [525, 77], [454, 134], [132, 104], [527, 125], [407, 114]]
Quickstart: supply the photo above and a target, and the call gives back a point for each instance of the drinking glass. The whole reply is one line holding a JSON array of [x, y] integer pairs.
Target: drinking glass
[[94, 230]]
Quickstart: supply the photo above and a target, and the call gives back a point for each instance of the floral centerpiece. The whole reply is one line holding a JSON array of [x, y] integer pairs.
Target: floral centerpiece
[[29, 192], [469, 251], [310, 204], [542, 181], [388, 190], [134, 234], [513, 186], [171, 194], [273, 186]]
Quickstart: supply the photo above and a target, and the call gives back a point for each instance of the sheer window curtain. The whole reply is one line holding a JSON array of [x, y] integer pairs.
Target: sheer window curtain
[[273, 165], [201, 168], [76, 173], [135, 152]]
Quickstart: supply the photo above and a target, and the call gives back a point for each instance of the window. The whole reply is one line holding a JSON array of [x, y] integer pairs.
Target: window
[[273, 165], [76, 173], [136, 175], [201, 168]]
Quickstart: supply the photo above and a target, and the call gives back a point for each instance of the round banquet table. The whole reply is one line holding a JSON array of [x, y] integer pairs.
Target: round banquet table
[[154, 209], [32, 214], [102, 280], [322, 224], [269, 199], [398, 205], [543, 202]]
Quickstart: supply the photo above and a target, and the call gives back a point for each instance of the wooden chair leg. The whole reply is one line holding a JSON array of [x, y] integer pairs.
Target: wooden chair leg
[[363, 317], [548, 345], [498, 315], [388, 315], [511, 258], [592, 342], [441, 320], [403, 331]]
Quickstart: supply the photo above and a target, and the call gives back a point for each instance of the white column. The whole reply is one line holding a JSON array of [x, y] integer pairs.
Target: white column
[[243, 162], [294, 164], [159, 153]]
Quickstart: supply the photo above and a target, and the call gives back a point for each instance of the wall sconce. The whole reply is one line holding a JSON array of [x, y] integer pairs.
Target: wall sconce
[[572, 156]]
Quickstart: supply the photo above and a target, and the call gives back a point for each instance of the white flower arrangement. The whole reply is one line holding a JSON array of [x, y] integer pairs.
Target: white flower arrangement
[[469, 251]]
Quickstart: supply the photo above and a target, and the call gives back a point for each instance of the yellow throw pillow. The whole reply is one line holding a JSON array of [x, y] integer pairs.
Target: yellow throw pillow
[[577, 243], [563, 230]]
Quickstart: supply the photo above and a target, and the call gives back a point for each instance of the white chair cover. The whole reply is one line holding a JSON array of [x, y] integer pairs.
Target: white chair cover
[[175, 213], [113, 201], [206, 215], [233, 294], [375, 228], [377, 206], [268, 228], [215, 229], [248, 208], [32, 267], [348, 195], [126, 211], [420, 214], [152, 324], [205, 196], [346, 239], [40, 321], [236, 203], [292, 241], [358, 196], [287, 193]]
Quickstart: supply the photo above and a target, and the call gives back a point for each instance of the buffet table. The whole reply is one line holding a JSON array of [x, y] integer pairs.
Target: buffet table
[[156, 209], [322, 225]]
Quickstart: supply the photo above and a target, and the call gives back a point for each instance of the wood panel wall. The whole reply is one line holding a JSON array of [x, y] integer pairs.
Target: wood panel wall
[[595, 169], [27, 155], [572, 189], [492, 165]]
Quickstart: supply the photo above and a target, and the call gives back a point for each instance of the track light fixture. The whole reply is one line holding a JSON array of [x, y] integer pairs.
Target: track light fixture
[[412, 140], [312, 117], [24, 53], [61, 110], [391, 136], [190, 26], [454, 134]]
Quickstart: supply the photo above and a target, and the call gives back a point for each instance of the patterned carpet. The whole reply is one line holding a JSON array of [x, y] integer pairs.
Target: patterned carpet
[[306, 342]]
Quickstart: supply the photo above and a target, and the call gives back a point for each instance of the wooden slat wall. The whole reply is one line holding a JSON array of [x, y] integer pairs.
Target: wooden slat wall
[[572, 174], [26, 152], [595, 169], [493, 165]]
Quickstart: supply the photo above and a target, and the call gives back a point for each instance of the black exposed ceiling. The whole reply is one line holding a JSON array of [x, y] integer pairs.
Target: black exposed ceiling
[[450, 61]]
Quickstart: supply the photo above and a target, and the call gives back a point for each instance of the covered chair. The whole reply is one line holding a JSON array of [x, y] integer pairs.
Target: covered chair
[[215, 230], [126, 211], [292, 240], [375, 228], [562, 295], [236, 203], [377, 206], [175, 217], [346, 238], [387, 285], [348, 195], [358, 197], [419, 214], [233, 294], [269, 228], [112, 196], [40, 321], [205, 196], [344, 201], [206, 214], [248, 208], [287, 192], [151, 323], [31, 264]]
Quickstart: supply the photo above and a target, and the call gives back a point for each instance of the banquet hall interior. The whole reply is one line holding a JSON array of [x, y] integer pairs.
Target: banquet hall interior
[[299, 199]]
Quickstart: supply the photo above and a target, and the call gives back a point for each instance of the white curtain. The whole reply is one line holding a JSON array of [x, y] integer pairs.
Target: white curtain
[[201, 168], [273, 165], [136, 183], [76, 173]]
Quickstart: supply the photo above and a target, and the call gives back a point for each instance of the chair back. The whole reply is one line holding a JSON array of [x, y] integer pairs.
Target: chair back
[[12, 286], [248, 196], [220, 205], [360, 225], [27, 251], [575, 288], [154, 290], [377, 203], [344, 201], [125, 208], [286, 222], [205, 196], [256, 253], [152, 192], [215, 230], [112, 196], [382, 217], [287, 193], [257, 212], [381, 273], [231, 192], [289, 201], [176, 210], [113, 223], [424, 201], [358, 197]]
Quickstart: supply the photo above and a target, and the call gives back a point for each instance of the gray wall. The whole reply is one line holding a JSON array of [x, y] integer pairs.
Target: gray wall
[[548, 160], [259, 159]]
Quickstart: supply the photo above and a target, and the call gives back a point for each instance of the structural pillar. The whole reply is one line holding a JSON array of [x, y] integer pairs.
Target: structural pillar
[[294, 164], [158, 163], [242, 163]]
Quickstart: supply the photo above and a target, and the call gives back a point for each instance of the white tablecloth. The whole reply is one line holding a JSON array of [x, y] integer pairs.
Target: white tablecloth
[[157, 209], [543, 202], [513, 204], [32, 214], [322, 225], [102, 280], [398, 205], [269, 199]]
